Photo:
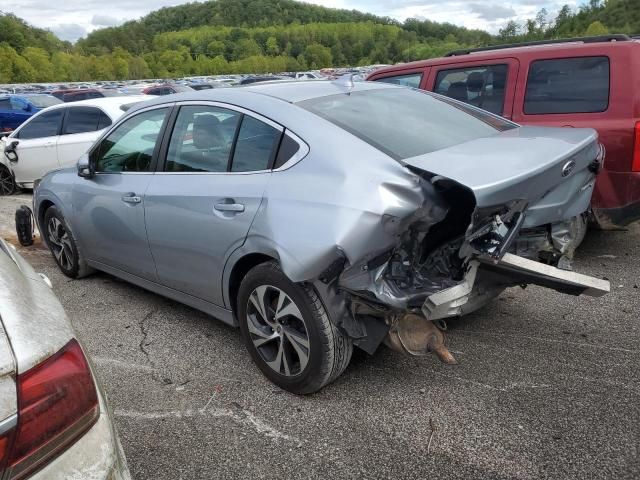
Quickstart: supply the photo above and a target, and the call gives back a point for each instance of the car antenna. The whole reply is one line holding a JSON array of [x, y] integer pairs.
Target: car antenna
[[345, 80]]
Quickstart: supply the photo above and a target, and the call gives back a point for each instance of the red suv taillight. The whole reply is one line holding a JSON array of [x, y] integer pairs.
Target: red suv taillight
[[635, 166], [57, 403]]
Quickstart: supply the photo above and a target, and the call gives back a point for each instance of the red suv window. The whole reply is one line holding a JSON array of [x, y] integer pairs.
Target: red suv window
[[482, 86], [567, 85], [410, 80]]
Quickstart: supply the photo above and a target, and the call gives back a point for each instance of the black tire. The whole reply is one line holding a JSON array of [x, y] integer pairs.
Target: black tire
[[63, 246], [7, 182], [329, 349]]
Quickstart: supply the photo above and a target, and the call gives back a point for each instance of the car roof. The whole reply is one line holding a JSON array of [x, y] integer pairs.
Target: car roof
[[560, 48], [110, 105], [290, 91]]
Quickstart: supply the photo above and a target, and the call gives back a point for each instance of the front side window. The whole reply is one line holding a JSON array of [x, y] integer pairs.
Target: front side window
[[85, 119], [129, 148], [46, 124], [202, 139], [405, 123], [567, 85], [412, 80], [481, 86]]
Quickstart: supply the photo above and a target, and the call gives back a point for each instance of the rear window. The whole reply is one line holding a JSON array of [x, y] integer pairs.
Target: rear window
[[85, 119], [568, 85], [405, 123], [43, 101]]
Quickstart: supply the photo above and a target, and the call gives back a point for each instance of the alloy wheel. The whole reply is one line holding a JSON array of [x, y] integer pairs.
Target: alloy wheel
[[60, 243], [278, 330]]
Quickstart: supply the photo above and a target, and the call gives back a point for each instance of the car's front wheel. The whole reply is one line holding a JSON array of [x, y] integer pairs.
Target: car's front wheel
[[62, 244], [288, 333]]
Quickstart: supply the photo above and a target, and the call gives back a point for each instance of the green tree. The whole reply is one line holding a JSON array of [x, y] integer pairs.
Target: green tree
[[596, 28], [317, 56], [272, 47], [39, 60]]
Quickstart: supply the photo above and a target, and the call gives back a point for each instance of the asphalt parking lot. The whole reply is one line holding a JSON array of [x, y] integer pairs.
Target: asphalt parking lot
[[547, 386]]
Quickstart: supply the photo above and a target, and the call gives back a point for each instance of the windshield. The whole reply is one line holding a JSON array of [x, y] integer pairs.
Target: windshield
[[43, 101], [405, 123]]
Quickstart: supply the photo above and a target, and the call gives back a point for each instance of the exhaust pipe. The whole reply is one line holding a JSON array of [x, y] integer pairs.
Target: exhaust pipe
[[414, 335]]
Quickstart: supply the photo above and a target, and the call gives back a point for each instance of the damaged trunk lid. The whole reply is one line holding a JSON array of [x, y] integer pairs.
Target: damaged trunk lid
[[549, 171]]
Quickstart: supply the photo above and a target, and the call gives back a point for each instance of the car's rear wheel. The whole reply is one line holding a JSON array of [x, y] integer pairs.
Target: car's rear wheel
[[288, 333], [7, 182], [62, 244]]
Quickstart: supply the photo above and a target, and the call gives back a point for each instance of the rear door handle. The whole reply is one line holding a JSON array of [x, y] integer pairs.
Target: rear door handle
[[131, 198], [229, 207]]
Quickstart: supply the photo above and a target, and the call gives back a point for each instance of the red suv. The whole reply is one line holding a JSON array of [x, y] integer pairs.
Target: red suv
[[580, 82]]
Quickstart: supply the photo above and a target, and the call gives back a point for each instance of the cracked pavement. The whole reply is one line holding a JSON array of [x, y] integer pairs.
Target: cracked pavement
[[547, 386]]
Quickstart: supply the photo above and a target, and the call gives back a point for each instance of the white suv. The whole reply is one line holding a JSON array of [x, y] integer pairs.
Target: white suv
[[57, 136]]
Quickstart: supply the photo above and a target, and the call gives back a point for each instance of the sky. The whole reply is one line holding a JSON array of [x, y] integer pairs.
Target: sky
[[72, 19]]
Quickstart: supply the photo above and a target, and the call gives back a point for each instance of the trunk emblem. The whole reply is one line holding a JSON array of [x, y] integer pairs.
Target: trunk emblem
[[568, 168]]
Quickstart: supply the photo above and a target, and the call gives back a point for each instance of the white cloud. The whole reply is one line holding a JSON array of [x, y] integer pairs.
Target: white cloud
[[104, 21]]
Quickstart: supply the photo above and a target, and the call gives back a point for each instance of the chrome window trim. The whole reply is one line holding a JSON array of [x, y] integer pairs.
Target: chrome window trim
[[229, 106]]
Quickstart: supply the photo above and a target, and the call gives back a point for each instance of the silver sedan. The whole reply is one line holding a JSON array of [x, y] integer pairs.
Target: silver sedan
[[54, 421], [320, 215]]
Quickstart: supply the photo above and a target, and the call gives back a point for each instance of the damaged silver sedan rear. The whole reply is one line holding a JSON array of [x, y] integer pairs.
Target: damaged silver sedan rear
[[317, 216]]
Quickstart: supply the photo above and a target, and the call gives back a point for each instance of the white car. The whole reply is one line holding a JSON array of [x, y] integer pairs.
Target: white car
[[57, 136], [54, 421]]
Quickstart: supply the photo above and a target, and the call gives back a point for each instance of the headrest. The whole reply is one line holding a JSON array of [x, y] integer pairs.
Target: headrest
[[206, 133], [475, 81], [458, 91]]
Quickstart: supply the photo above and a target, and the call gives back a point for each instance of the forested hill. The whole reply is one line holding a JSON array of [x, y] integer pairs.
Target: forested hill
[[137, 36], [19, 35]]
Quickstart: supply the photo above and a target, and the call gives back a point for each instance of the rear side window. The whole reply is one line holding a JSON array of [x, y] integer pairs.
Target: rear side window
[[412, 80], [482, 86], [255, 147], [288, 148], [568, 85], [405, 123], [46, 124], [202, 139], [85, 119], [5, 104]]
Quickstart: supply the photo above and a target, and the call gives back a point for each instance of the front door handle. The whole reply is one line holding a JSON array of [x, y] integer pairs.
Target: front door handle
[[229, 207], [131, 198]]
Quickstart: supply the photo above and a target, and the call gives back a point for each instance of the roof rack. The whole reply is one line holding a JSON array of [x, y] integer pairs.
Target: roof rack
[[597, 39]]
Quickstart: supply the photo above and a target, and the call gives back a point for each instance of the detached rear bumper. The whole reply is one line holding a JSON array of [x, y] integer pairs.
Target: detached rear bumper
[[463, 298]]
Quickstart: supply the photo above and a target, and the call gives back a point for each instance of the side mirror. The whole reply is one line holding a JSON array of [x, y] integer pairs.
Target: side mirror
[[84, 167], [10, 151], [27, 108]]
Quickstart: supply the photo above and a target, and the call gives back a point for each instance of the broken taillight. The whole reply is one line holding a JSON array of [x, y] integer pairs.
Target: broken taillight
[[57, 403], [635, 166]]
